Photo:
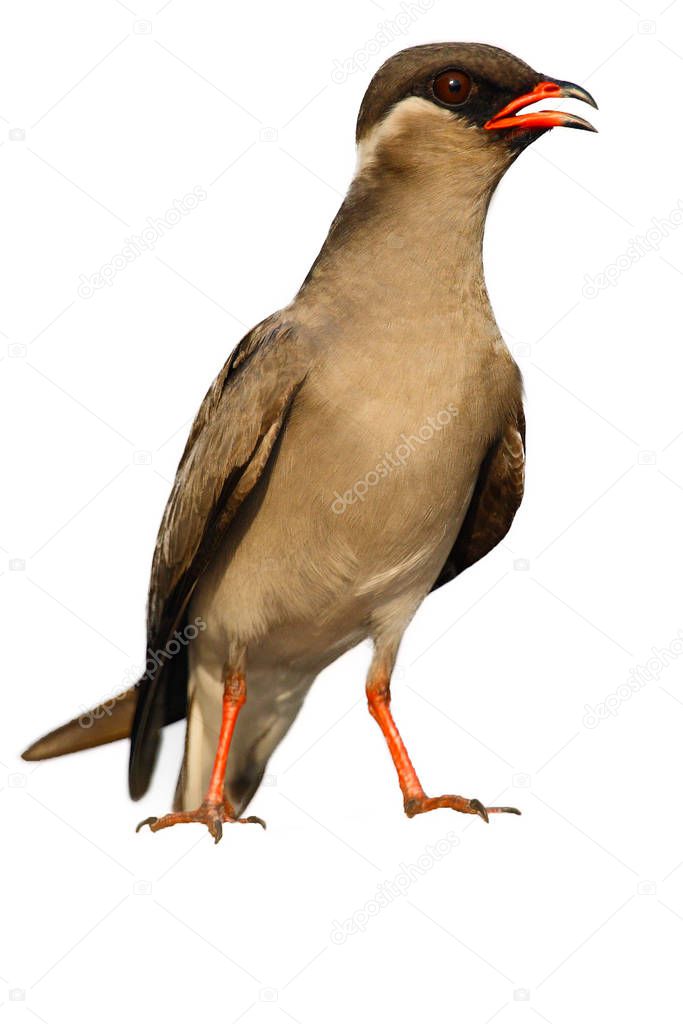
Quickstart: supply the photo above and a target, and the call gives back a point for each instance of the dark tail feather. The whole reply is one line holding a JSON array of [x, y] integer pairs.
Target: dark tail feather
[[243, 788], [105, 723], [162, 699], [112, 720]]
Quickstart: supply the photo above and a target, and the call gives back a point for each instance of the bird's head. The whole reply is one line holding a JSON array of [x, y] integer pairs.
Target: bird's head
[[445, 103]]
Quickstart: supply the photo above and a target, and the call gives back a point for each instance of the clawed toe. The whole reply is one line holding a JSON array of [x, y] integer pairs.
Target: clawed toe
[[422, 804], [477, 807], [253, 820], [209, 814], [146, 821]]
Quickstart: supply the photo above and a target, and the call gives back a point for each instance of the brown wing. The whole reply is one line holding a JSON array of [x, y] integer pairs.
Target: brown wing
[[228, 448], [497, 496]]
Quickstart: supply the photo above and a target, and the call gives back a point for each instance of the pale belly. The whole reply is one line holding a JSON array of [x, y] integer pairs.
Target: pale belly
[[341, 540], [346, 533]]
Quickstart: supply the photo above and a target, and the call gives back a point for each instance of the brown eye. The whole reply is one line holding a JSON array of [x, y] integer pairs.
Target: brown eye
[[452, 87]]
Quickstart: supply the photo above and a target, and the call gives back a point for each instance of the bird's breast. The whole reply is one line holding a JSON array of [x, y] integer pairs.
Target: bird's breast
[[365, 496]]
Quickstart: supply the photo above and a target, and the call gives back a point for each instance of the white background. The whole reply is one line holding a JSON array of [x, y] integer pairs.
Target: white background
[[573, 911]]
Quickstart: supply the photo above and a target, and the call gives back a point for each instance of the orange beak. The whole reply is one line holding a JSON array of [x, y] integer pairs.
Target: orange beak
[[509, 118]]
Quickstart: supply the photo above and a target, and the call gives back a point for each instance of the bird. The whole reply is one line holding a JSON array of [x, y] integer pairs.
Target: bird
[[359, 449]]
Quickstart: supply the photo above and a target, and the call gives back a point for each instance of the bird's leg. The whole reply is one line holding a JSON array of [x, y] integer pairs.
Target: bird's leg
[[415, 800], [215, 809]]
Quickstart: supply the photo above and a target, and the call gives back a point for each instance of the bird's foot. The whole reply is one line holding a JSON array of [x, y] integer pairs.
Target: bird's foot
[[421, 804], [211, 814]]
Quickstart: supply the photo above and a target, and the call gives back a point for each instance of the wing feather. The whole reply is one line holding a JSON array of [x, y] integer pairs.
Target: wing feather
[[497, 496], [228, 448]]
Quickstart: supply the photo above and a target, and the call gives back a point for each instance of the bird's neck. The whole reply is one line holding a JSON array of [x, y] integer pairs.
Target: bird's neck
[[407, 241]]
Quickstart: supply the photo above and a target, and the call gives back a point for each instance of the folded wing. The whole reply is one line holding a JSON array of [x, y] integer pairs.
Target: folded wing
[[497, 496], [227, 450]]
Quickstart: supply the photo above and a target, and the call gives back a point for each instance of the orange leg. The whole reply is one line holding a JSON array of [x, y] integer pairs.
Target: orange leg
[[415, 800], [215, 809]]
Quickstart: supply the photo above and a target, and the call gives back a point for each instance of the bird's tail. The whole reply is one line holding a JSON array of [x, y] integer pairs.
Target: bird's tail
[[109, 721]]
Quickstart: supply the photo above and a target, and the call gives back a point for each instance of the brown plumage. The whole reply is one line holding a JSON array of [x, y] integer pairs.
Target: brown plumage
[[497, 496], [295, 529], [228, 448]]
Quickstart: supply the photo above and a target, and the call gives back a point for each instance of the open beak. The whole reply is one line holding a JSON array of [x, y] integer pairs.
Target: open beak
[[509, 118]]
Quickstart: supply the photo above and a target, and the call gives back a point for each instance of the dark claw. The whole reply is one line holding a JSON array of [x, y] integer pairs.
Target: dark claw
[[478, 808], [146, 821], [217, 830], [253, 820]]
